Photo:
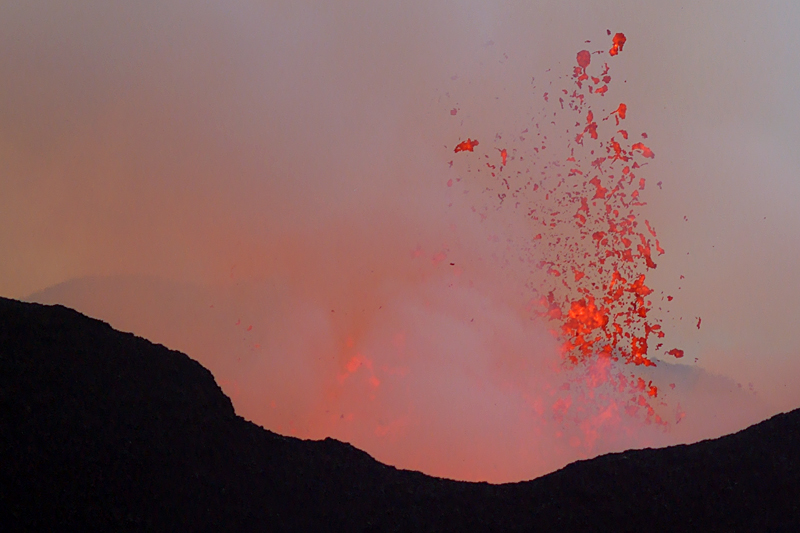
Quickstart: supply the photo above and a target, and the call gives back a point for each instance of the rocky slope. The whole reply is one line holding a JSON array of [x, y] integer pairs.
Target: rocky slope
[[102, 430]]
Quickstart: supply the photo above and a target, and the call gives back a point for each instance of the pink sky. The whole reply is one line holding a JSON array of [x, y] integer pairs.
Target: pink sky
[[287, 162]]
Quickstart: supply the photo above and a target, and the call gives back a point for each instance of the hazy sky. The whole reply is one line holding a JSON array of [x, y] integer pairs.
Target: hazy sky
[[287, 163]]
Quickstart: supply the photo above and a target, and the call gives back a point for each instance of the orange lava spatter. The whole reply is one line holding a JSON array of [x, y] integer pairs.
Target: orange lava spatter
[[617, 43], [504, 155], [466, 146], [584, 58], [590, 248]]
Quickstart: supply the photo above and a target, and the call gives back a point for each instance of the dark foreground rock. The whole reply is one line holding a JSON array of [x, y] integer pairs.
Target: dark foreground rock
[[102, 430]]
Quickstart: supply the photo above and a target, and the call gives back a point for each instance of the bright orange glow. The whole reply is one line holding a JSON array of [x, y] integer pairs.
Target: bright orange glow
[[618, 42], [466, 146]]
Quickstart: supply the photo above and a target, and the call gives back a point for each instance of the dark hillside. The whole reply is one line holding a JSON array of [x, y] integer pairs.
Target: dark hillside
[[102, 430]]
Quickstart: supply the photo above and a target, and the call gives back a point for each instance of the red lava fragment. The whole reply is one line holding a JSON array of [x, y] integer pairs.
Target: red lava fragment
[[584, 58], [647, 152], [676, 352], [639, 288], [503, 155], [618, 42], [601, 191], [466, 146]]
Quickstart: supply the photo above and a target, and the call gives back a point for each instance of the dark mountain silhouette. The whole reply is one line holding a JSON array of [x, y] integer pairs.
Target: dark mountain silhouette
[[102, 430]]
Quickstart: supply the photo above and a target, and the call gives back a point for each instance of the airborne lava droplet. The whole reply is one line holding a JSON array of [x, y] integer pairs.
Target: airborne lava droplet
[[584, 58], [466, 146], [620, 114], [618, 42], [644, 149]]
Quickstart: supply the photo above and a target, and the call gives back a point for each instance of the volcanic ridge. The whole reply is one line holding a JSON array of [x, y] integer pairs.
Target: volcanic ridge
[[103, 430]]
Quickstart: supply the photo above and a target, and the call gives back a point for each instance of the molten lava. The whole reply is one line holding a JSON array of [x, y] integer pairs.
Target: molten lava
[[466, 146], [618, 42], [503, 155], [585, 215], [584, 58]]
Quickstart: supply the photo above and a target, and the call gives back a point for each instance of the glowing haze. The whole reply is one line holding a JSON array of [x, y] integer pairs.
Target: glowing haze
[[268, 187]]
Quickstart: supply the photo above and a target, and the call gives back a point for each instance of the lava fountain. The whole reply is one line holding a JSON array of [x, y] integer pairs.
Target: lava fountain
[[590, 246]]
